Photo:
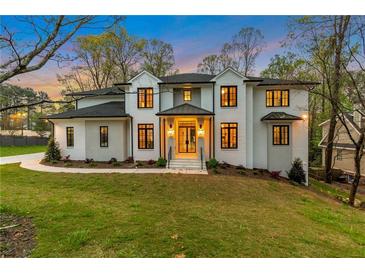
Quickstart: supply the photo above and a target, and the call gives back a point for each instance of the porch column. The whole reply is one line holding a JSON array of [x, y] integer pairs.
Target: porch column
[[171, 137]]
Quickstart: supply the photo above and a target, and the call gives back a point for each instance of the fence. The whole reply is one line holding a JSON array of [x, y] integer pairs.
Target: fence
[[6, 140]]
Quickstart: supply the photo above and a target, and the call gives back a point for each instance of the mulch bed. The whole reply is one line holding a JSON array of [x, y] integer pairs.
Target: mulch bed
[[96, 164], [18, 241], [232, 170]]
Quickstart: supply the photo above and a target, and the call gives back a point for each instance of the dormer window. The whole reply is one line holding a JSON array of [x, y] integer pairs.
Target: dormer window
[[228, 96], [277, 98], [145, 98], [187, 95]]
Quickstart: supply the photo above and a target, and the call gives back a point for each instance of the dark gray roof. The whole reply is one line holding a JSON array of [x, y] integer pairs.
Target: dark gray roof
[[184, 109], [187, 78], [275, 82], [97, 92], [110, 109], [274, 116]]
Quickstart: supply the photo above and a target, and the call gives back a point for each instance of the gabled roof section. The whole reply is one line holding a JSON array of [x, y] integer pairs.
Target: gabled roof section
[[187, 78], [98, 92], [110, 109], [184, 110], [280, 116], [277, 82], [228, 69], [144, 72]]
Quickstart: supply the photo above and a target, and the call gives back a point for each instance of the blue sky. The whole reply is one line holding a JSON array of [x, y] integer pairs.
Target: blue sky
[[192, 38]]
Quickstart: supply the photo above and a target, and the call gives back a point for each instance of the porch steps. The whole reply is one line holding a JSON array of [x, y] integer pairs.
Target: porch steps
[[186, 164]]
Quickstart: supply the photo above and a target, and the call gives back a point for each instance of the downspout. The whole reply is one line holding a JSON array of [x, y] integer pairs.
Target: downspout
[[159, 133], [214, 120], [164, 138], [132, 137]]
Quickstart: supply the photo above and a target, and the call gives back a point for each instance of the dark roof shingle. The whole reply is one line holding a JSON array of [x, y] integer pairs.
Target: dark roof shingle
[[187, 78], [185, 109], [275, 82], [110, 109], [275, 116]]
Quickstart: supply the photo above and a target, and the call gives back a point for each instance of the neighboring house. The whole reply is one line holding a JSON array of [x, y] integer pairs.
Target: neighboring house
[[249, 121], [343, 148]]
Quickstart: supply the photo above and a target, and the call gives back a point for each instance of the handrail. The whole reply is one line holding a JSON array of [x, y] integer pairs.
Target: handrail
[[201, 158], [169, 158]]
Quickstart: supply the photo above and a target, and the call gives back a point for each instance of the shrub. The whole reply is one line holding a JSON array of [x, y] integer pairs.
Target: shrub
[[161, 162], [116, 164], [296, 173], [66, 159], [212, 163], [53, 152], [130, 160], [112, 160], [89, 160], [151, 162], [275, 174], [240, 167], [139, 164]]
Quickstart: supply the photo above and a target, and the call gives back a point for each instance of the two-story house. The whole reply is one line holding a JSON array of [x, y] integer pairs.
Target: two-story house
[[249, 121]]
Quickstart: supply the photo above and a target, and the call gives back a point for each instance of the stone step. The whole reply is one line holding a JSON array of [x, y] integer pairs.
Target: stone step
[[186, 164]]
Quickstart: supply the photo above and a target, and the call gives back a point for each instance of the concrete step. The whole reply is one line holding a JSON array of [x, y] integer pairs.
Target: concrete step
[[186, 164]]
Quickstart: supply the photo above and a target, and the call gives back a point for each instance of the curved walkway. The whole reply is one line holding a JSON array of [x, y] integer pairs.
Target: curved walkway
[[31, 161], [35, 165]]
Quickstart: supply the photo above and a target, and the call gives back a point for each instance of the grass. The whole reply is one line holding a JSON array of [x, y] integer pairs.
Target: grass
[[15, 150], [162, 215]]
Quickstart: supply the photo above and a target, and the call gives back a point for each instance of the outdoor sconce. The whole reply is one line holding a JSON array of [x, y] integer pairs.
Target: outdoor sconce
[[200, 131], [170, 131], [304, 117]]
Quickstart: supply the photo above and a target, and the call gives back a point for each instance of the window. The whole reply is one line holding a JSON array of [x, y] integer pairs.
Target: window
[[229, 135], [103, 136], [277, 98], [145, 136], [187, 94], [70, 136], [228, 96], [280, 135], [145, 98]]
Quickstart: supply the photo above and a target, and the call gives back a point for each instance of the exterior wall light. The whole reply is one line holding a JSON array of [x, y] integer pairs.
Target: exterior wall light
[[304, 116], [201, 131], [170, 131]]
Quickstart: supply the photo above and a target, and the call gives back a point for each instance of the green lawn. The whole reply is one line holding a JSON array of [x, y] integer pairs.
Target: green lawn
[[162, 215], [13, 150]]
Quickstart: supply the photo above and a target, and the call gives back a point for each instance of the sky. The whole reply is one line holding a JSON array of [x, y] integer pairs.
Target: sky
[[192, 38]]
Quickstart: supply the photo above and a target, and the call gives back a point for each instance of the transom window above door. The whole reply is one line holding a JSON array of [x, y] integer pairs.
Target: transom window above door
[[277, 98], [187, 95], [145, 98], [228, 96]]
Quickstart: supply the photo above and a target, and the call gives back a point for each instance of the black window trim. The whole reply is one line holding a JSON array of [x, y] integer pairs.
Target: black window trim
[[229, 133], [68, 139], [281, 98], [145, 129], [229, 106], [281, 126], [145, 97], [107, 136]]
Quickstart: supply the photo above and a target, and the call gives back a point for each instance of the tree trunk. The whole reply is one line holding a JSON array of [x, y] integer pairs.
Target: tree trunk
[[357, 160], [329, 147]]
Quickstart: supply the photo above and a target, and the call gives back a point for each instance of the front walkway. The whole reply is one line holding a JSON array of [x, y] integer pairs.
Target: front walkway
[[35, 165]]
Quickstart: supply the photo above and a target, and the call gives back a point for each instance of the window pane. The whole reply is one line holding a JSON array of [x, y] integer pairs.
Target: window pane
[[187, 95], [141, 98], [277, 98], [145, 136], [285, 98], [224, 96], [70, 136], [233, 96], [149, 98], [233, 137], [269, 94], [103, 136], [276, 132]]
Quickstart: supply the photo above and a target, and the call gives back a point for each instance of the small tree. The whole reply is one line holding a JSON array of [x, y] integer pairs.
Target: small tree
[[53, 152], [296, 172]]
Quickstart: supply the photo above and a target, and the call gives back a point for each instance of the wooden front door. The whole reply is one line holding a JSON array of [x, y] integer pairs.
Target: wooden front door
[[187, 137]]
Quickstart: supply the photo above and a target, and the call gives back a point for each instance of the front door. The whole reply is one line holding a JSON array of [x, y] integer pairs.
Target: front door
[[187, 137]]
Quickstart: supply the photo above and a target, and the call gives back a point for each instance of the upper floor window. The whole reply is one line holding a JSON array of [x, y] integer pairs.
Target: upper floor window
[[228, 96], [229, 135], [70, 136], [187, 94], [277, 98], [103, 136], [145, 98], [145, 136], [280, 135]]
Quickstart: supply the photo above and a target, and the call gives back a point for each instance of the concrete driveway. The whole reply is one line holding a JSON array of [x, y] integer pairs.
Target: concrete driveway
[[21, 158]]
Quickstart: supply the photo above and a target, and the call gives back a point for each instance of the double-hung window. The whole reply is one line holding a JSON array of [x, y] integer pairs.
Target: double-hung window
[[228, 96], [187, 94], [277, 98], [145, 136], [103, 136], [145, 98], [280, 135], [229, 135], [70, 136]]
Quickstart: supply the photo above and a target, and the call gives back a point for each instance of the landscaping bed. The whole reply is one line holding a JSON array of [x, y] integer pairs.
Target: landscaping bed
[[99, 164], [16, 236]]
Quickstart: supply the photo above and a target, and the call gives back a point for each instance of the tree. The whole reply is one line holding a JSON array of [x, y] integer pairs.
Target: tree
[[323, 39], [40, 125], [211, 64], [158, 58], [50, 33], [126, 52]]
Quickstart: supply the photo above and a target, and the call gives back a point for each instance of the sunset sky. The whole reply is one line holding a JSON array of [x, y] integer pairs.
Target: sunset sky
[[192, 38]]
